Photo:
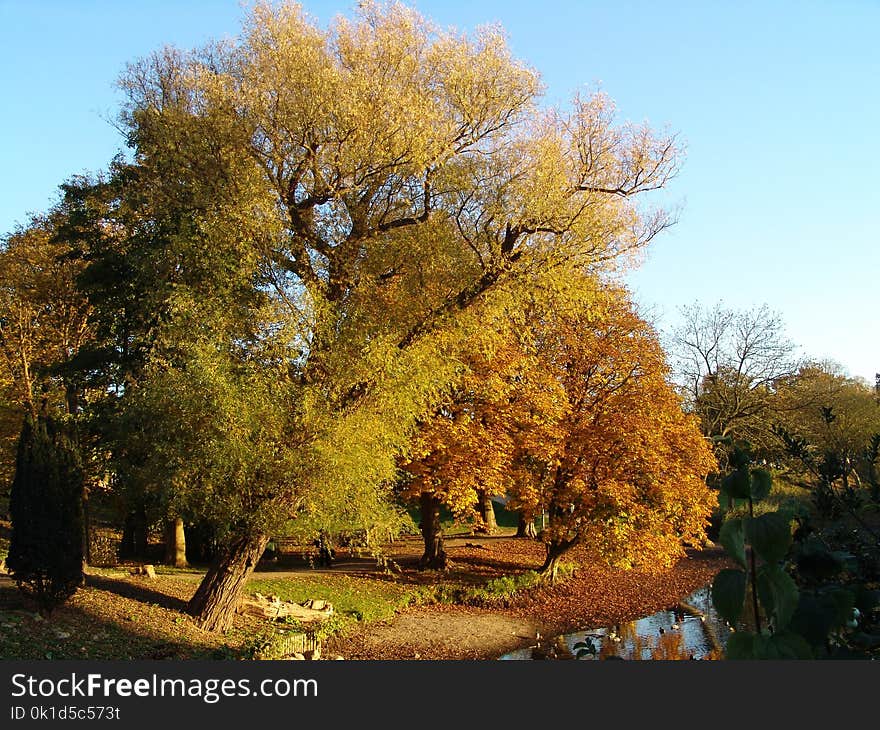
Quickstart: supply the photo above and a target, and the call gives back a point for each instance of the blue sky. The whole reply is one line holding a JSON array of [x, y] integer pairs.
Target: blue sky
[[778, 103]]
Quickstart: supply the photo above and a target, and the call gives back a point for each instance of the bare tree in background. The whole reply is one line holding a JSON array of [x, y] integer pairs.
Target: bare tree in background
[[727, 362]]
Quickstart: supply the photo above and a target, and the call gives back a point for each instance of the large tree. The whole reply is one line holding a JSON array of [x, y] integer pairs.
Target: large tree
[[126, 266], [355, 192], [43, 323], [626, 476]]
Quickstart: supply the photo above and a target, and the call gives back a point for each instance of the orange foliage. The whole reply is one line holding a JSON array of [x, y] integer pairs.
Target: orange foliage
[[575, 416], [468, 445], [627, 472]]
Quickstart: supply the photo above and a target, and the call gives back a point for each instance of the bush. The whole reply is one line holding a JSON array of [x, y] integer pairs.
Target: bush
[[46, 547]]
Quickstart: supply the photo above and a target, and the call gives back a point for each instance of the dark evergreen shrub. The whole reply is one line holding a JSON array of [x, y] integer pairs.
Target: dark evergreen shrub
[[46, 546]]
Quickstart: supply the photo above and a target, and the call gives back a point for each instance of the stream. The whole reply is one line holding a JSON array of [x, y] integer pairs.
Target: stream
[[691, 630]]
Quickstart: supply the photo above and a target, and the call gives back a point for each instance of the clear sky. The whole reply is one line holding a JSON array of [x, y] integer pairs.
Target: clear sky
[[778, 103]]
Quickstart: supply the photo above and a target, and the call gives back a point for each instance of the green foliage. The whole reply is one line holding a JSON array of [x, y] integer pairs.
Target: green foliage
[[778, 594], [770, 535], [45, 551], [506, 586], [729, 593], [367, 523], [493, 592], [785, 645], [732, 538], [804, 601]]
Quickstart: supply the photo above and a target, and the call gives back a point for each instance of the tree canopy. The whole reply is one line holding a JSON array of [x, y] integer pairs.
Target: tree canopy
[[314, 227], [360, 192]]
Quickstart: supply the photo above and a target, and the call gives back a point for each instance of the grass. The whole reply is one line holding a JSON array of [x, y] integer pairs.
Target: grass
[[102, 625], [98, 625], [107, 620], [365, 599], [785, 495], [359, 598]]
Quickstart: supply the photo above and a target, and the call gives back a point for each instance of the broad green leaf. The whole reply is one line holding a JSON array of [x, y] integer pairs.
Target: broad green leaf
[[741, 645], [815, 561], [729, 593], [783, 645], [843, 600], [732, 538], [778, 594], [813, 618], [737, 484], [770, 535], [724, 501], [762, 482]]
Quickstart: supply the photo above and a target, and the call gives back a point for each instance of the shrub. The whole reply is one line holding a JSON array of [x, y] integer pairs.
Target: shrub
[[46, 547]]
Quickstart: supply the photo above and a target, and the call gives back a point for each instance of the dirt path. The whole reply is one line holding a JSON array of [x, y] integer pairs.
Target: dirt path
[[439, 632]]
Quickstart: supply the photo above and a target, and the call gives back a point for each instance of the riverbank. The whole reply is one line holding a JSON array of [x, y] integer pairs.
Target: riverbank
[[595, 596], [383, 611]]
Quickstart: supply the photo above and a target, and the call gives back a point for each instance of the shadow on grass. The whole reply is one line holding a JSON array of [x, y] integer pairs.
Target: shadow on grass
[[74, 632], [135, 592]]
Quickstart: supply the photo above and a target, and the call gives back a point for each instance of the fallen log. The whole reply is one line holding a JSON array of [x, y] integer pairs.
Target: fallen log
[[272, 607]]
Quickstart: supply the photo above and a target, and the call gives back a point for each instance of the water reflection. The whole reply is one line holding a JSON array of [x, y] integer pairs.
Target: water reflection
[[691, 630]]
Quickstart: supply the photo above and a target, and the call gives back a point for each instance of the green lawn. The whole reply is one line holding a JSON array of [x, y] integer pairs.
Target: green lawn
[[360, 598]]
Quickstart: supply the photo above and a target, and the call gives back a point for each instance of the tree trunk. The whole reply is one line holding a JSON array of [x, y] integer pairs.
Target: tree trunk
[[86, 533], [134, 536], [214, 603], [555, 551], [435, 555], [526, 526], [175, 543], [72, 399], [487, 513]]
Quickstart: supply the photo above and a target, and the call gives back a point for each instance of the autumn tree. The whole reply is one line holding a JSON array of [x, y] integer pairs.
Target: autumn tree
[[43, 324], [43, 321], [626, 478], [358, 190], [465, 452]]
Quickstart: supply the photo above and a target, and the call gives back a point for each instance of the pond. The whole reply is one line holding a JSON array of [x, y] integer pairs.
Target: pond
[[691, 630]]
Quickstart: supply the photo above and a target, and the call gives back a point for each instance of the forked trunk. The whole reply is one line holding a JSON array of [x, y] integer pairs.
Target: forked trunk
[[555, 550], [487, 513], [214, 603], [175, 543], [526, 526], [435, 554]]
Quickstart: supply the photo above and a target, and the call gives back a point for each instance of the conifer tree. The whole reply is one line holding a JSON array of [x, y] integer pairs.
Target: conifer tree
[[46, 548]]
